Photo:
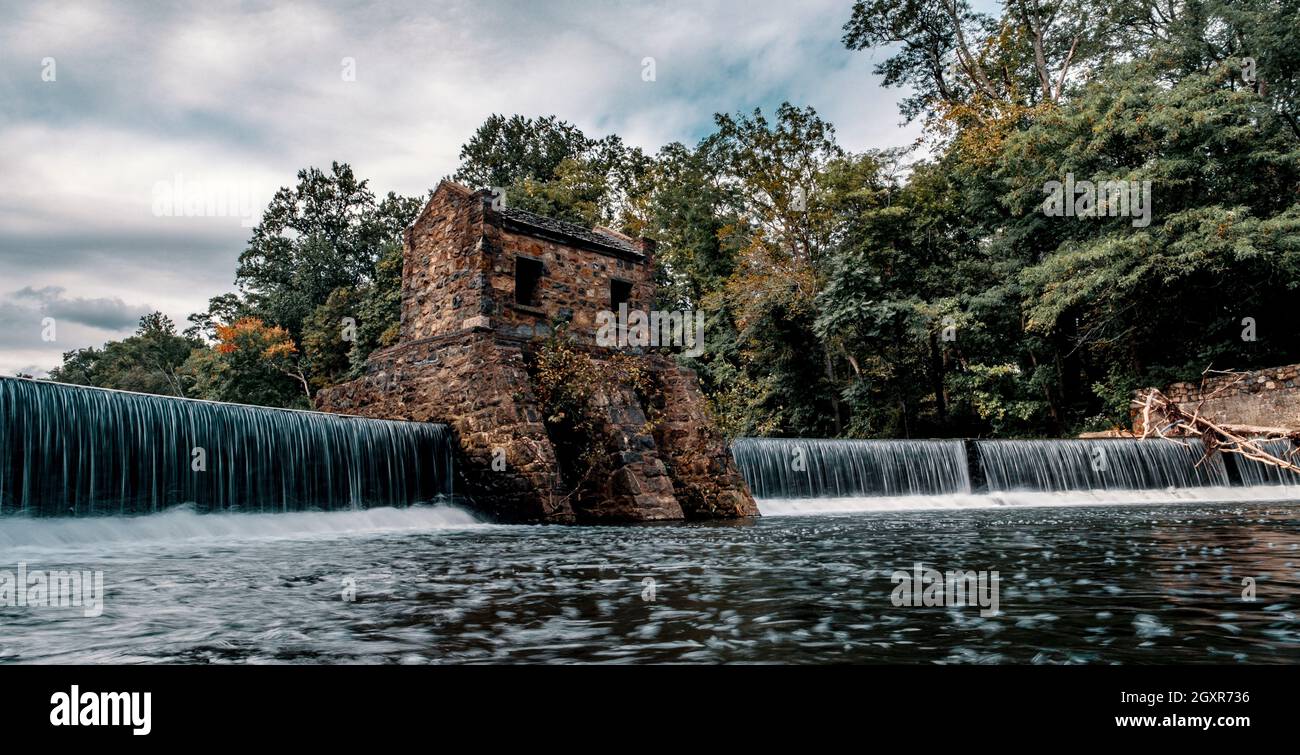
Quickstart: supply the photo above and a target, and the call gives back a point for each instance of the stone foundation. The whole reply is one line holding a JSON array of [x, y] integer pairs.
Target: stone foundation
[[481, 388], [677, 467]]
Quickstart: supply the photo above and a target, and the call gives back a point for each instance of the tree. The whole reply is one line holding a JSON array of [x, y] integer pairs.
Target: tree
[[777, 168], [327, 249], [550, 167], [1166, 300], [150, 361], [507, 151], [328, 336], [379, 310], [326, 233], [952, 56], [224, 308], [162, 351], [696, 216], [252, 363], [1056, 320]]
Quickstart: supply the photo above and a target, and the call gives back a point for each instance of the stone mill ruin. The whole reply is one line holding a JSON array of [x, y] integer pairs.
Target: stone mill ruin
[[482, 287]]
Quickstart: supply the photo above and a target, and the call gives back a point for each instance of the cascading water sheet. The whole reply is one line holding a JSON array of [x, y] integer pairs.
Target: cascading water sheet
[[72, 451], [1118, 464], [1255, 474], [809, 476], [810, 468]]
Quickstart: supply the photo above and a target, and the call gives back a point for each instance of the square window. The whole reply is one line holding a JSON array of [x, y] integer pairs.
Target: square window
[[528, 274], [620, 292]]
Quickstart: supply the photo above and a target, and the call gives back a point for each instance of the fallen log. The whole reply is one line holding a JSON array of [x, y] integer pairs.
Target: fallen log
[[1166, 419], [1114, 432]]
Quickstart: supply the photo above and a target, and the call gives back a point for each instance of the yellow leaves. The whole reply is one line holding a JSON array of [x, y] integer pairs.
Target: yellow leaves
[[282, 349], [390, 335], [768, 277], [982, 125]]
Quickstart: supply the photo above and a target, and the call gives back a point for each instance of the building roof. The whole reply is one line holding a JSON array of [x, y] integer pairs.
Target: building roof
[[602, 238], [530, 223]]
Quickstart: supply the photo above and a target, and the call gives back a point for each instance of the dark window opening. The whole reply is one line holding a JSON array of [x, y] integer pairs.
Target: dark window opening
[[528, 273], [620, 292]]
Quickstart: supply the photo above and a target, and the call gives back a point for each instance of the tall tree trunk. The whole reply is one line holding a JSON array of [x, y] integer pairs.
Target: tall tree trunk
[[936, 378], [835, 396]]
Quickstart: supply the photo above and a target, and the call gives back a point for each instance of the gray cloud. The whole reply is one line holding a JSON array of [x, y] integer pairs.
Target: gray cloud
[[19, 326], [40, 295], [103, 313], [32, 344]]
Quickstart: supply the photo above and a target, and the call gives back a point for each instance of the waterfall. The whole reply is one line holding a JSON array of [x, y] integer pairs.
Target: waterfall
[[866, 474], [799, 468], [1254, 473], [73, 451], [1119, 464]]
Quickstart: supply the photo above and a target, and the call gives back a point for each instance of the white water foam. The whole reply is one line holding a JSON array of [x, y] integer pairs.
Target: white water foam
[[807, 506], [183, 525]]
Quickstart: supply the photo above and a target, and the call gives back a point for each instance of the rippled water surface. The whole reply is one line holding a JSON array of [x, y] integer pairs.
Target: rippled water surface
[[1097, 584]]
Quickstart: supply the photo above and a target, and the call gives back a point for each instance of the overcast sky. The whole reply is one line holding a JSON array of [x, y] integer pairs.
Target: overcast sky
[[100, 104]]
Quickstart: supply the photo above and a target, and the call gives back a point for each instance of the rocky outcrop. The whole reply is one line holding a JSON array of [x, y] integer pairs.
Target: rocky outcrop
[[706, 480]]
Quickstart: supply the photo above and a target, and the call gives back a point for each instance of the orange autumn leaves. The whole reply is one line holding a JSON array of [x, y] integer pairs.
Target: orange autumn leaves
[[270, 345], [250, 334]]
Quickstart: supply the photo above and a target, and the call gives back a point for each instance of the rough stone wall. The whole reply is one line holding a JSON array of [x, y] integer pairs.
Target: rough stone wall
[[671, 465], [576, 285], [443, 276], [463, 360], [1264, 398], [639, 488], [459, 272], [706, 480]]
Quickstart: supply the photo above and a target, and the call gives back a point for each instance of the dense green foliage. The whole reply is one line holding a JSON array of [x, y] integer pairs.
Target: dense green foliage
[[886, 293], [550, 167]]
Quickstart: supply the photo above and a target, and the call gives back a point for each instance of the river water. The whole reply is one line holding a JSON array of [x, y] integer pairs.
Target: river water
[[1079, 581]]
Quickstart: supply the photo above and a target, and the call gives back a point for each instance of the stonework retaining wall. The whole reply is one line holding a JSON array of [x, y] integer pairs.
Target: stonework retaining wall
[[1263, 398]]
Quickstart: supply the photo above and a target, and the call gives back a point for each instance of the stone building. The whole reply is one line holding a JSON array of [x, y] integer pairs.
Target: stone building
[[482, 286]]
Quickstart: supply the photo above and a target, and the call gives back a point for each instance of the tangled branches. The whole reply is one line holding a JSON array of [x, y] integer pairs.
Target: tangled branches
[[1166, 419]]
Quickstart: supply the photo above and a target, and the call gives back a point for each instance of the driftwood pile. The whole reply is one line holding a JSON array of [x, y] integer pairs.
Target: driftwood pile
[[1166, 419]]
